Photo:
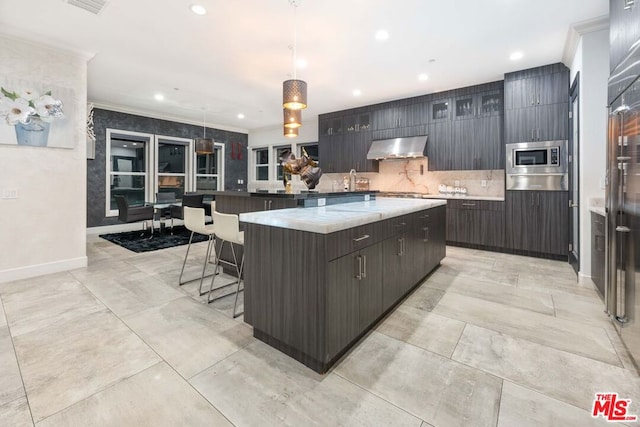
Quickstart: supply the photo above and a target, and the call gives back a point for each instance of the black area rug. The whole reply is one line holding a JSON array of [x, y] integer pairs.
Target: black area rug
[[134, 242]]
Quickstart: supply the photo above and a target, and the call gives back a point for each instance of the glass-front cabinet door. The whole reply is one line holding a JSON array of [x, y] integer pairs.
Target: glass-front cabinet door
[[465, 107], [490, 103], [440, 110]]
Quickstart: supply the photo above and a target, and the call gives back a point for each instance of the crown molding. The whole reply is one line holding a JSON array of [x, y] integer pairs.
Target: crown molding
[[20, 35], [155, 115], [577, 30]]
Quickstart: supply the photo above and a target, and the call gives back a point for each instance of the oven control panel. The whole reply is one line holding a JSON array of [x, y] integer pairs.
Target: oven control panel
[[554, 159]]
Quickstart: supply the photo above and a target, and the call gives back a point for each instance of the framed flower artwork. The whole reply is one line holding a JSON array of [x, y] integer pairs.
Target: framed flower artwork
[[36, 114]]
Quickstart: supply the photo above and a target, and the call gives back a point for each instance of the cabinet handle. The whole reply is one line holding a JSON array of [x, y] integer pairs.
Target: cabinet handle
[[628, 4], [359, 275], [270, 201], [538, 98], [622, 229], [538, 134], [404, 246], [399, 247], [361, 238], [424, 216], [426, 234], [531, 134], [402, 224], [265, 205], [364, 266], [468, 204], [538, 200]]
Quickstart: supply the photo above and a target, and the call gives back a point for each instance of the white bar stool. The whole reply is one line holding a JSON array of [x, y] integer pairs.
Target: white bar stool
[[194, 221], [228, 230]]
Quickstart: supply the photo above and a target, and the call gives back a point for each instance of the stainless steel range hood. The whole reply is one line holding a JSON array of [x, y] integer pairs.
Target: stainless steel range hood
[[398, 148]]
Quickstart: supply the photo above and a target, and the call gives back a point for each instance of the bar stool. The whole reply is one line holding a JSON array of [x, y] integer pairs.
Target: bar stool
[[228, 230], [194, 221]]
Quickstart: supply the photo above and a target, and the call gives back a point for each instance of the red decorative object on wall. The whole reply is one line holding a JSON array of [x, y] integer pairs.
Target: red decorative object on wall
[[236, 151]]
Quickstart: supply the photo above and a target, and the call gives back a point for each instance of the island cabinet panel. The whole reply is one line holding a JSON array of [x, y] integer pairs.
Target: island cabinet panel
[[313, 295]]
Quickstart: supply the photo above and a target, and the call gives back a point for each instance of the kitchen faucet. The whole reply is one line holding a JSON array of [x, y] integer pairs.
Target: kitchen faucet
[[352, 180]]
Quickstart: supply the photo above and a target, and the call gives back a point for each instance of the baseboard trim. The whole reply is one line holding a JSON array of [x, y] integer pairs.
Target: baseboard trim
[[36, 270]]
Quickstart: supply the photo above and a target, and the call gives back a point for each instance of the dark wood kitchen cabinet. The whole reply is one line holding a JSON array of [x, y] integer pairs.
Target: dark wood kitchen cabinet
[[399, 114], [598, 251], [536, 104], [624, 30], [313, 295], [475, 223], [537, 222]]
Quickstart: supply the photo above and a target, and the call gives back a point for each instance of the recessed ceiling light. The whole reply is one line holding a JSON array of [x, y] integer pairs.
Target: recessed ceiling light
[[357, 92], [124, 145], [198, 9], [382, 35], [301, 63], [159, 97], [134, 144], [241, 116], [515, 56], [423, 77]]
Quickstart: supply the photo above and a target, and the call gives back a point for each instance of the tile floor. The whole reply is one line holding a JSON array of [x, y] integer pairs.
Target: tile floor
[[489, 339]]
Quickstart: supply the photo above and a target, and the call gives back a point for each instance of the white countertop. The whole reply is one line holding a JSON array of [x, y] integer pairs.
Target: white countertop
[[598, 209], [328, 219]]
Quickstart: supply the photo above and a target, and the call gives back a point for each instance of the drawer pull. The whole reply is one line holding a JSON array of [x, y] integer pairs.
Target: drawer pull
[[622, 229], [361, 238], [424, 217], [402, 224], [468, 204]]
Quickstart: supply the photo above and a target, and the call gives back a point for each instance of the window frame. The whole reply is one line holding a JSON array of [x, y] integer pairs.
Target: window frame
[[257, 165], [218, 146], [188, 162]]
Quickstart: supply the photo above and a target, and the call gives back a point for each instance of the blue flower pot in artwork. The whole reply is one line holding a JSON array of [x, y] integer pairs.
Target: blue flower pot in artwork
[[35, 133]]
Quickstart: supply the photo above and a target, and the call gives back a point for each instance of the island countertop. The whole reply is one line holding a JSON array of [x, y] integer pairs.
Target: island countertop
[[329, 219]]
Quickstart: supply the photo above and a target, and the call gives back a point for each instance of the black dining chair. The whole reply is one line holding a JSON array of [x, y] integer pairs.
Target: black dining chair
[[130, 214]]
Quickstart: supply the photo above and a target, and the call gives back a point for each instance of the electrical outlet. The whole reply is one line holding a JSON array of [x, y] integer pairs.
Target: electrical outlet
[[483, 183], [240, 181], [456, 183], [322, 201]]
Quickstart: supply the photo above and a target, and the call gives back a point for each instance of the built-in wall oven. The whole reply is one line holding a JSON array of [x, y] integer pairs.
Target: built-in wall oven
[[540, 165]]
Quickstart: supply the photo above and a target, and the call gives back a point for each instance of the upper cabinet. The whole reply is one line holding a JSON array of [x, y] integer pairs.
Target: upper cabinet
[[357, 123], [537, 104], [439, 110], [331, 126], [400, 114], [624, 30], [478, 105]]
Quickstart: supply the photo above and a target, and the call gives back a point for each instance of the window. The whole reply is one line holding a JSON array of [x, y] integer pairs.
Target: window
[[172, 165], [262, 164], [311, 149], [209, 169], [278, 152], [127, 168]]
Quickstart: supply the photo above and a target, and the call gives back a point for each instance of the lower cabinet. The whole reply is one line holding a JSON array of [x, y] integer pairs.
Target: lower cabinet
[[312, 295], [597, 251], [476, 222], [538, 222]]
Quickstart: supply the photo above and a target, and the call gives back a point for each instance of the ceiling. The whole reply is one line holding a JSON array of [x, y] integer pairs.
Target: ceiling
[[233, 59]]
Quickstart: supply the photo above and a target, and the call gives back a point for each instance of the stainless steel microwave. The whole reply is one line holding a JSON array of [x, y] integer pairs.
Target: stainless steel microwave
[[540, 165]]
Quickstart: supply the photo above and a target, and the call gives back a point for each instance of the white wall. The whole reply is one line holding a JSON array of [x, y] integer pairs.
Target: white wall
[[44, 229], [592, 61]]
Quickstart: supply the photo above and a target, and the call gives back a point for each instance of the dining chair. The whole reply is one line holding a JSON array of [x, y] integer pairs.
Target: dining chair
[[190, 200], [194, 221], [228, 231], [130, 214]]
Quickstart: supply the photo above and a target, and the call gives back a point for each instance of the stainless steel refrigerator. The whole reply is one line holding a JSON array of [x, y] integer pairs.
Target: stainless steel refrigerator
[[622, 295]]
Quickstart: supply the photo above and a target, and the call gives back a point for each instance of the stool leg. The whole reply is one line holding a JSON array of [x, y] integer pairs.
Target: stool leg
[[215, 272], [204, 266], [180, 283]]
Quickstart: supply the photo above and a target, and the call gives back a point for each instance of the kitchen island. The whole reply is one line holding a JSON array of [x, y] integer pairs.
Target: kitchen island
[[317, 279]]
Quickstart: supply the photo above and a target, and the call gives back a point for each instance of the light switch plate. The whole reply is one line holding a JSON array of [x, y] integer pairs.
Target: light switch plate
[[483, 183], [456, 183], [322, 201], [10, 193], [367, 197]]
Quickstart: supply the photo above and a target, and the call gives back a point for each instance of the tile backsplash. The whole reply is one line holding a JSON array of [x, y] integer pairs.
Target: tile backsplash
[[414, 176]]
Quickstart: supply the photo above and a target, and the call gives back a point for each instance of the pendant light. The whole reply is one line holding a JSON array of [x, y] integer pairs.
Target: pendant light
[[290, 132], [294, 91], [292, 118], [204, 145]]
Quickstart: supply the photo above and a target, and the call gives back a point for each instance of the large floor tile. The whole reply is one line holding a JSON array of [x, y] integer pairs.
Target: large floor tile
[[540, 302], [33, 305], [548, 330], [16, 413], [261, 386], [66, 363], [189, 335], [545, 281], [424, 298], [157, 396], [587, 310], [504, 278], [133, 293], [425, 330], [522, 407], [564, 376], [11, 381], [3, 318], [436, 389]]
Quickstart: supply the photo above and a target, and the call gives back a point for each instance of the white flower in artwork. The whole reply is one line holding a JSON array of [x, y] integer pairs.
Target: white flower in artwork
[[29, 94], [19, 111], [20, 108], [47, 107]]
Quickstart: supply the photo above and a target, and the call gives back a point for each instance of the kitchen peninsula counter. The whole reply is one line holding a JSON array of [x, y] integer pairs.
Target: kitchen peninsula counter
[[317, 279]]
